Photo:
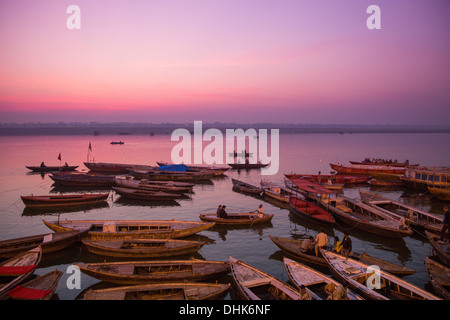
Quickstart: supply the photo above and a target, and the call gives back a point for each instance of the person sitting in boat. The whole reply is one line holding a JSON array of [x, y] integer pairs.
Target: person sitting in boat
[[446, 224], [260, 211], [304, 295], [307, 245], [42, 164], [340, 292], [218, 212], [321, 242], [337, 245], [346, 245], [65, 164], [402, 223], [223, 214]]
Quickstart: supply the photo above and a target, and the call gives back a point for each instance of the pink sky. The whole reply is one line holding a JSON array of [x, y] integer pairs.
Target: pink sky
[[245, 61]]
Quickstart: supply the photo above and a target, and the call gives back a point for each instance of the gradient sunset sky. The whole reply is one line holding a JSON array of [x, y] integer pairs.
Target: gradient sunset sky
[[292, 61]]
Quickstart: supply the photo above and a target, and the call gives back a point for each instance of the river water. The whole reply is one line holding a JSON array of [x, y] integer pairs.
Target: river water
[[298, 153]]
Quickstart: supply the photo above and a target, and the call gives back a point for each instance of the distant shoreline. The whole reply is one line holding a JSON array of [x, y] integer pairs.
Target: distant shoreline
[[93, 129]]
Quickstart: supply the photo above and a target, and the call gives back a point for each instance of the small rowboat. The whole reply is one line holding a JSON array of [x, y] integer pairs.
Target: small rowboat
[[63, 200], [148, 186], [49, 243], [310, 211], [116, 168], [439, 277], [51, 168], [292, 247], [131, 229], [237, 219], [162, 291], [247, 165], [371, 283], [83, 179], [413, 217], [245, 187], [138, 194], [146, 272], [41, 288], [255, 284], [440, 192], [366, 218], [442, 249], [318, 285], [276, 191], [18, 268], [142, 248]]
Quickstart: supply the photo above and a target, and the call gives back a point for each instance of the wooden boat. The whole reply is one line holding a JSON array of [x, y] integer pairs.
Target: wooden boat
[[383, 162], [247, 165], [51, 168], [146, 185], [245, 187], [128, 229], [171, 175], [361, 278], [386, 176], [142, 248], [41, 288], [292, 247], [276, 191], [321, 180], [310, 211], [237, 219], [146, 272], [384, 265], [82, 179], [314, 281], [117, 168], [218, 171], [162, 291], [139, 194], [15, 270], [49, 242], [439, 277], [255, 284], [335, 178], [366, 218], [386, 183], [442, 250], [419, 178], [415, 218], [364, 169], [440, 192], [63, 200], [161, 183]]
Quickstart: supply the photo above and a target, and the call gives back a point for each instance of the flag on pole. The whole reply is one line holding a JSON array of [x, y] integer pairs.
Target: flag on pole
[[90, 147], [59, 157]]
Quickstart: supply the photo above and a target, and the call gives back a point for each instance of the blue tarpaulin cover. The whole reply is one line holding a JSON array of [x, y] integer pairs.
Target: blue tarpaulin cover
[[174, 167]]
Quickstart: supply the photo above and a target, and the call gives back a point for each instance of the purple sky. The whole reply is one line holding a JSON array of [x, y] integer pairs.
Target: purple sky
[[226, 60]]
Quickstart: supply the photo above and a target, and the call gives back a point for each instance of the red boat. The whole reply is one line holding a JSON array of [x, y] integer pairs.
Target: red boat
[[310, 211], [335, 178], [365, 169]]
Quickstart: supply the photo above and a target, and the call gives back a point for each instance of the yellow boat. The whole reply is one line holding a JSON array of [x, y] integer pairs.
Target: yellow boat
[[440, 192]]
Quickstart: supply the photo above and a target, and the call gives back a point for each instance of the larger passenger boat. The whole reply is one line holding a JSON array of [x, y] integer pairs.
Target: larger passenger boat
[[421, 178]]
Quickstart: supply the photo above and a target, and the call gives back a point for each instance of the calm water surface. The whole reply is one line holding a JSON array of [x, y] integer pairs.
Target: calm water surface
[[299, 153]]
